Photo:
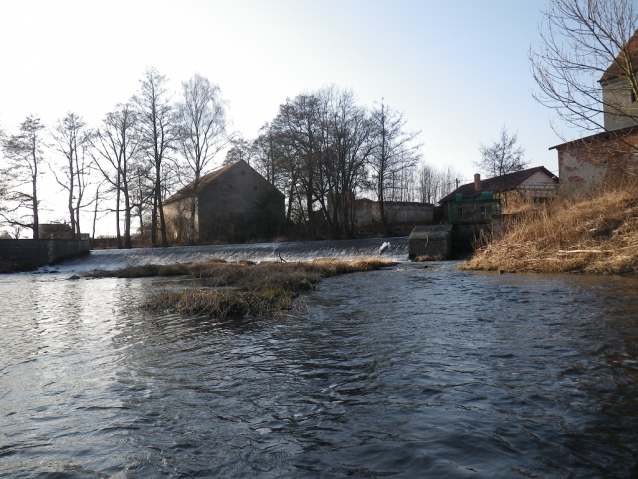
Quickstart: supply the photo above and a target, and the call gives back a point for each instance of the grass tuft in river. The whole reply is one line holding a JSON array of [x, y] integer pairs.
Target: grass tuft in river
[[248, 288]]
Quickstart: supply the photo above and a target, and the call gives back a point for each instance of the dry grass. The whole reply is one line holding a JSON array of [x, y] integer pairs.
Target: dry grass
[[594, 234], [254, 289]]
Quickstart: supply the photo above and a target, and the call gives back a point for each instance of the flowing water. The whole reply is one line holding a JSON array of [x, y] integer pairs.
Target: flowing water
[[411, 371]]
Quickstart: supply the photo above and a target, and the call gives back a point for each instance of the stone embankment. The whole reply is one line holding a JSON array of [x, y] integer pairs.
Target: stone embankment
[[28, 254]]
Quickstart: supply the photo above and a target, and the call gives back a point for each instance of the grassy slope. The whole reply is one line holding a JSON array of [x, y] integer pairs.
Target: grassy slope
[[597, 235]]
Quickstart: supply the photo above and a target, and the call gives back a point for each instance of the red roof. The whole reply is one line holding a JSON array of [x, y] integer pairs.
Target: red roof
[[497, 184], [627, 60]]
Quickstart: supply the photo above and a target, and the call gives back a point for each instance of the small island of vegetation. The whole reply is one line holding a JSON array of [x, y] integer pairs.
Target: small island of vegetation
[[242, 288]]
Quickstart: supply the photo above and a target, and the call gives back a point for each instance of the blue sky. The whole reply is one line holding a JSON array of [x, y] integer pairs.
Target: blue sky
[[458, 70]]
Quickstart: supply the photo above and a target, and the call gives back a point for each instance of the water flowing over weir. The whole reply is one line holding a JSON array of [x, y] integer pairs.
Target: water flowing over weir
[[294, 251], [414, 371]]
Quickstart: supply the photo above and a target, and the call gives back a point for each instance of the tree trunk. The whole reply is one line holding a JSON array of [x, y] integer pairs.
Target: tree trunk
[[191, 221], [36, 219], [153, 220], [127, 218], [117, 212]]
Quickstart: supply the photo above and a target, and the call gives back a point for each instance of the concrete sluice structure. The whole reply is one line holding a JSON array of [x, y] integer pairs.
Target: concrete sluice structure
[[432, 241]]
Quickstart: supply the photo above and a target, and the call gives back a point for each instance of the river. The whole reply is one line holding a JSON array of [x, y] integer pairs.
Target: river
[[414, 371]]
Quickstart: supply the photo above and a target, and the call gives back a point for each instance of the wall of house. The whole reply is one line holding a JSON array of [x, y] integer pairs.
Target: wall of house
[[584, 163], [239, 206], [617, 92], [539, 185]]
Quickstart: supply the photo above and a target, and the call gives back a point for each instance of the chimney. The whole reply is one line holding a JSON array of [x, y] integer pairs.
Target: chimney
[[477, 182]]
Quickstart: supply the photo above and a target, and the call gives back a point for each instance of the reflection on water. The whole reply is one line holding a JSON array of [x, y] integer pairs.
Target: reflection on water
[[405, 372]]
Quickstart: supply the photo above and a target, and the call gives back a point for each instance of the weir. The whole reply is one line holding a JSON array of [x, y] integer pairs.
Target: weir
[[396, 250]]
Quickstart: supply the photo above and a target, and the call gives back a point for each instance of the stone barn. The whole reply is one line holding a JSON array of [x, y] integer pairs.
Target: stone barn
[[233, 204]]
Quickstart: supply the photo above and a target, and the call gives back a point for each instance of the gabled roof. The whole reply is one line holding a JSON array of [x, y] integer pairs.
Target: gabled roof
[[622, 61], [205, 180], [497, 184]]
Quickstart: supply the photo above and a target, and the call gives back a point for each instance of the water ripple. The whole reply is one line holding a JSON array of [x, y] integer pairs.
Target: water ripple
[[407, 372]]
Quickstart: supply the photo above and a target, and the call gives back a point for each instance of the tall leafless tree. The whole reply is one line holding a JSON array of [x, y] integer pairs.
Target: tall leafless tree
[[503, 156], [434, 183], [115, 149], [346, 146], [394, 150], [158, 132], [240, 149], [24, 154], [73, 138], [580, 40], [202, 133]]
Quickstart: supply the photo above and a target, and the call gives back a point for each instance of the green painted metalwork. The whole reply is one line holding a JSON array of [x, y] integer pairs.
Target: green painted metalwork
[[474, 210]]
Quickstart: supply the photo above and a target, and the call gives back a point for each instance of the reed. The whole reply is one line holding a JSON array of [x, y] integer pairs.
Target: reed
[[594, 232]]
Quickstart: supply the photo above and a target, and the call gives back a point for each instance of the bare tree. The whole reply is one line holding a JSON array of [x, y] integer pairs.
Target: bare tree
[[503, 156], [584, 42], [23, 152], [435, 183], [296, 130], [115, 148], [240, 149], [142, 192], [394, 150], [157, 134], [275, 158], [345, 139], [73, 138], [202, 133]]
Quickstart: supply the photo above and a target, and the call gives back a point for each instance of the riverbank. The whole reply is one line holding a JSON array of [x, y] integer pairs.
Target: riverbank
[[597, 234], [241, 288]]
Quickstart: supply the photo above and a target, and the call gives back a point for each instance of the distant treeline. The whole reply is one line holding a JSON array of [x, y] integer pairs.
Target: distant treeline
[[322, 150]]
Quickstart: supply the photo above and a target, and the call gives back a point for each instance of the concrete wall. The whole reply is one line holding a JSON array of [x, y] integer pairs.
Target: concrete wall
[[37, 253], [367, 212]]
